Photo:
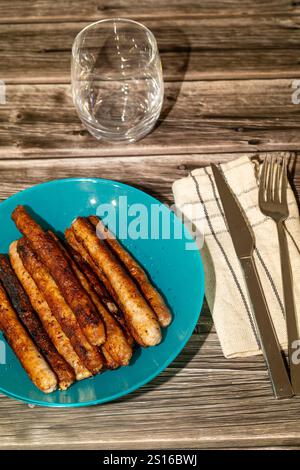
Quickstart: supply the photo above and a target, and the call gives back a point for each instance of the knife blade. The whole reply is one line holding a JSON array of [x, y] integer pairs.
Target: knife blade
[[243, 239]]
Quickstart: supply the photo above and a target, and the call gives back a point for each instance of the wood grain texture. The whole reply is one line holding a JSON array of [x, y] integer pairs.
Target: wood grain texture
[[152, 173], [207, 116], [215, 47], [21, 11]]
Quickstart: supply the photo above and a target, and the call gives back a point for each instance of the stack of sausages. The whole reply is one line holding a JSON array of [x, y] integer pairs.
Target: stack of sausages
[[70, 309]]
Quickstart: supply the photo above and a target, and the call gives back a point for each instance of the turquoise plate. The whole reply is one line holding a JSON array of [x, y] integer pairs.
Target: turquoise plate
[[174, 269]]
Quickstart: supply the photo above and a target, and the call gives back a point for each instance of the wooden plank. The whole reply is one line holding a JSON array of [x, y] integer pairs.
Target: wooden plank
[[206, 48], [75, 10], [153, 174], [198, 117]]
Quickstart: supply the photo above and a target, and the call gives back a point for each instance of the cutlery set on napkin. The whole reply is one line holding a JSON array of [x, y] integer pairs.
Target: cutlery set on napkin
[[249, 220]]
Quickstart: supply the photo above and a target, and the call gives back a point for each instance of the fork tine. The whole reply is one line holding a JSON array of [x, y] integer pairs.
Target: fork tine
[[284, 181], [277, 178], [270, 183], [263, 180]]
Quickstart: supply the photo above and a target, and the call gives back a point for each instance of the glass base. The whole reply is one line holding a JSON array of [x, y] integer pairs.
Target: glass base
[[124, 136]]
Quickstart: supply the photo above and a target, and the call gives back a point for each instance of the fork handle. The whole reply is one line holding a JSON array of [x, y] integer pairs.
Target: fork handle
[[290, 309], [269, 343]]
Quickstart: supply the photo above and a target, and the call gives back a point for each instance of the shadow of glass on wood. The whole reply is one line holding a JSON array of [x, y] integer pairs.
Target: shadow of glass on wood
[[175, 60]]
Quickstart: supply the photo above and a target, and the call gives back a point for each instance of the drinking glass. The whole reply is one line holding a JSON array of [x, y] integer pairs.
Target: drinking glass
[[117, 82]]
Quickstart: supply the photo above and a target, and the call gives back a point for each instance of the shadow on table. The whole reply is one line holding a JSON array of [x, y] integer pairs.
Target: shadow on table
[[175, 60]]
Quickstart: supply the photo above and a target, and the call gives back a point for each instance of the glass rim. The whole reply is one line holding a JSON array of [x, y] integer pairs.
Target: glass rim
[[154, 45]]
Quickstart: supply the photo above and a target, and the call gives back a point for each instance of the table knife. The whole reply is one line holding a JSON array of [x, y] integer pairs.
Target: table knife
[[244, 243]]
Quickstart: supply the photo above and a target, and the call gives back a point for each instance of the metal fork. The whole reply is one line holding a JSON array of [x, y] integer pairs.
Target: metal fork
[[273, 203]]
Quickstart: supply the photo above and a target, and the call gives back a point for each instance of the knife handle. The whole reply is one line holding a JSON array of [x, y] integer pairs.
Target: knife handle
[[269, 343]]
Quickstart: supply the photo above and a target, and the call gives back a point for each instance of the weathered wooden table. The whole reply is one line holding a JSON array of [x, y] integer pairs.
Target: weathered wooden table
[[230, 69]]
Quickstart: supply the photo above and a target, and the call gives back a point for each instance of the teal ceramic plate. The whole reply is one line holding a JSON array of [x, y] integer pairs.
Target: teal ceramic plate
[[174, 269]]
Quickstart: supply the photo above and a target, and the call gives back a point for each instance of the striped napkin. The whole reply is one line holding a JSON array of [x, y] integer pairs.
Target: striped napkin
[[197, 198]]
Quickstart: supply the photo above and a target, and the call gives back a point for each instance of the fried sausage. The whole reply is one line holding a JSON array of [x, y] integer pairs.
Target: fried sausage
[[96, 283], [102, 293], [108, 360], [74, 243], [119, 316], [151, 294], [64, 315], [116, 344], [93, 276], [31, 321], [52, 257], [142, 320], [51, 325], [33, 362]]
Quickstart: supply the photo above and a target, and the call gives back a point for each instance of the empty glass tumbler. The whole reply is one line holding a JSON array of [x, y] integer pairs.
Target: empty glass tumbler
[[117, 82]]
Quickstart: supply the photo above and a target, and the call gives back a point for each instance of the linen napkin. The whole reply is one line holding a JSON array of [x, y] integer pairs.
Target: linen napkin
[[197, 198]]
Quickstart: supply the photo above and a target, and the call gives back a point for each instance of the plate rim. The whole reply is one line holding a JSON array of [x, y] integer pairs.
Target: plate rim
[[174, 354]]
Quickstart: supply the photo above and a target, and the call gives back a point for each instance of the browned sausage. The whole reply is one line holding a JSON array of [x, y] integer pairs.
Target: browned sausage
[[116, 344], [108, 360], [119, 316], [152, 296], [52, 257], [31, 321], [74, 243], [141, 318], [64, 315], [51, 325], [96, 283], [31, 359], [93, 275]]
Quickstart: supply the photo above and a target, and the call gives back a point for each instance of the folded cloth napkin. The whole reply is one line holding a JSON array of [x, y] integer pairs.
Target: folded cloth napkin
[[197, 198]]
